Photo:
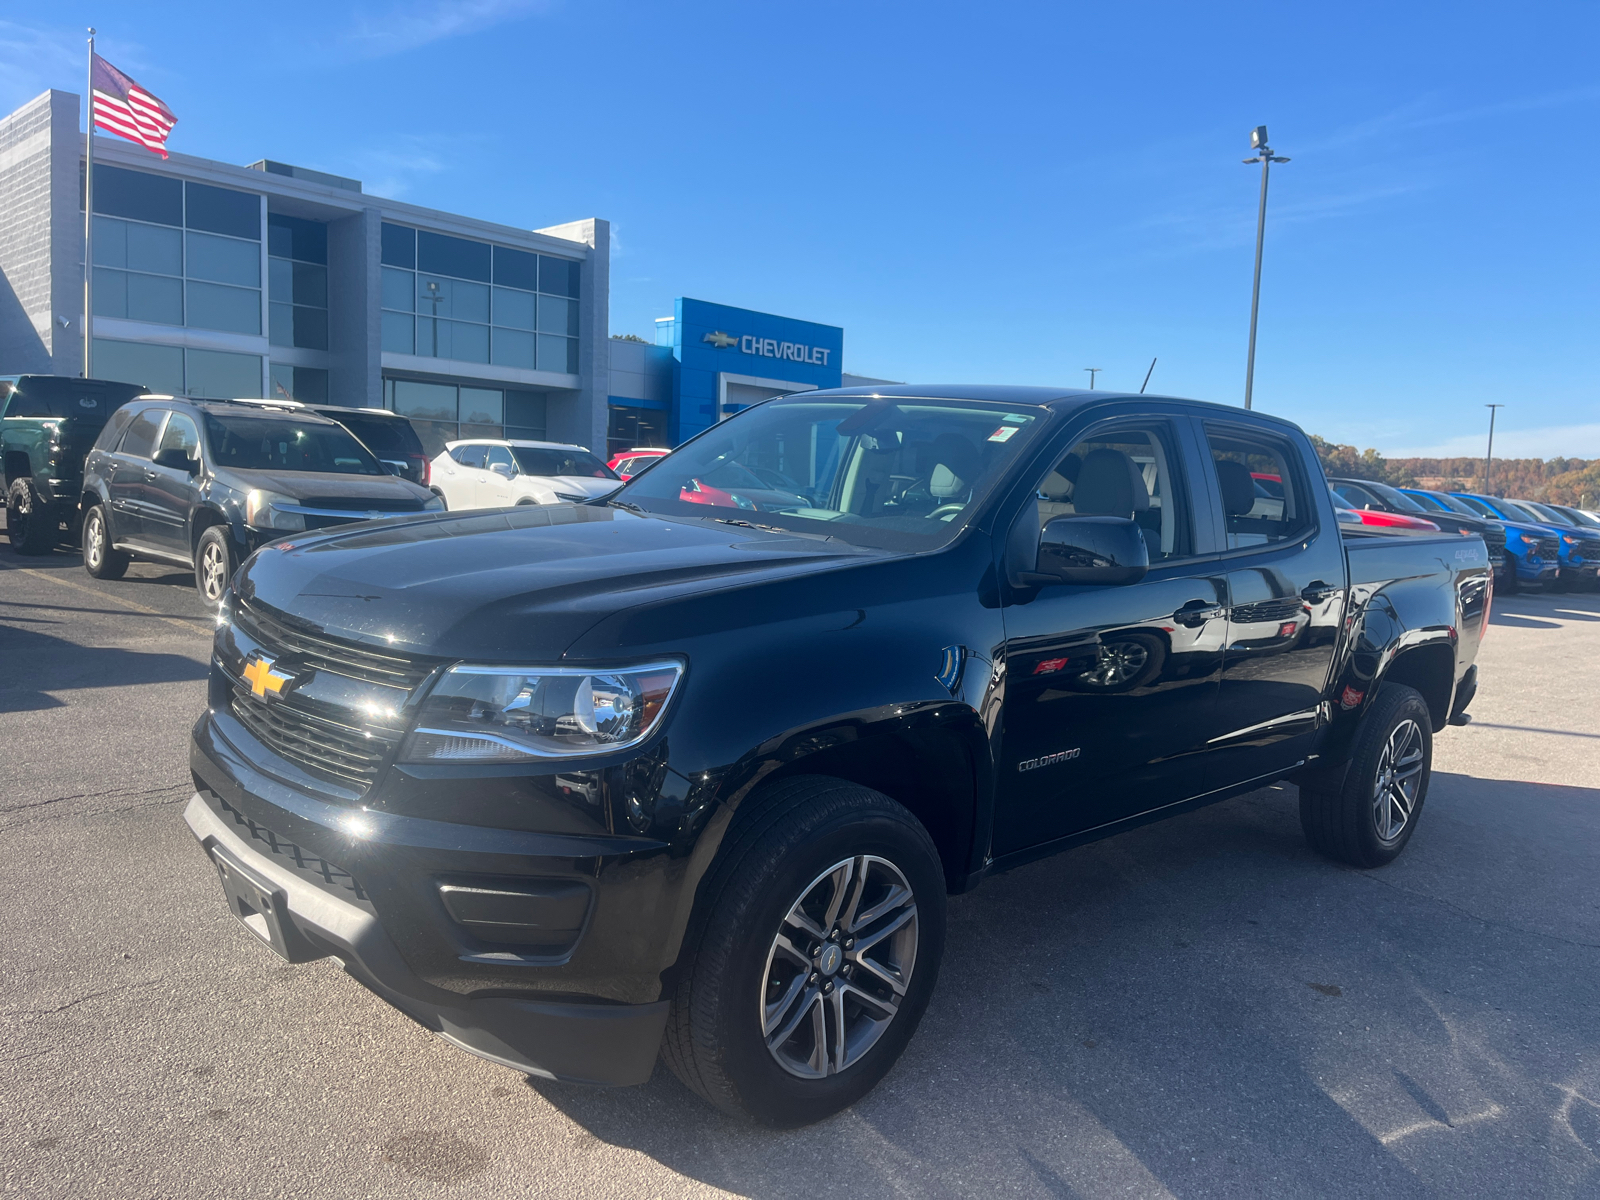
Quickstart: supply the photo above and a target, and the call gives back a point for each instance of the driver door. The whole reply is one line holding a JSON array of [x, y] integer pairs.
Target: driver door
[[1111, 691], [494, 481]]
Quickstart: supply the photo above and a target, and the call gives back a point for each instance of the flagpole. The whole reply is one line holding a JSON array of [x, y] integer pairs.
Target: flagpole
[[88, 226]]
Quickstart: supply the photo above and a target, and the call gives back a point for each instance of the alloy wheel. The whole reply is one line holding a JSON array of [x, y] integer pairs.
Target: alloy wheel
[[1119, 662], [94, 541], [1394, 794], [839, 967], [214, 571]]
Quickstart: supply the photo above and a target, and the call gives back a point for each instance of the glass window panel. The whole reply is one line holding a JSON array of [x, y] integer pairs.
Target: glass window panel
[[110, 293], [280, 381], [140, 440], [468, 343], [516, 268], [156, 249], [558, 316], [310, 328], [159, 368], [453, 298], [399, 289], [434, 434], [399, 333], [428, 334], [311, 285], [482, 406], [471, 456], [224, 260], [425, 401], [137, 194], [213, 306], [311, 385], [280, 323], [513, 309], [445, 255], [223, 210], [558, 276], [558, 354], [180, 434], [480, 431], [159, 299], [110, 242], [513, 348], [527, 433], [221, 375], [280, 280], [399, 246], [294, 237], [526, 409]]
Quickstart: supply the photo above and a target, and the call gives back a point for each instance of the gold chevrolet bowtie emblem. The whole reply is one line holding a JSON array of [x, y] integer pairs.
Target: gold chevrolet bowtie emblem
[[263, 678], [720, 340]]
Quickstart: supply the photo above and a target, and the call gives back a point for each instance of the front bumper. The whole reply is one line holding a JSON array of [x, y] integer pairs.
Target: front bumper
[[575, 1042]]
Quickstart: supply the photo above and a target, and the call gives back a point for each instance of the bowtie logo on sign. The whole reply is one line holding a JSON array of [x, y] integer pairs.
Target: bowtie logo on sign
[[770, 348]]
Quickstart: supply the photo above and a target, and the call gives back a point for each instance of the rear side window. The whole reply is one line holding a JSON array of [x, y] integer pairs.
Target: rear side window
[[1263, 496], [113, 430], [470, 456], [140, 440], [383, 436]]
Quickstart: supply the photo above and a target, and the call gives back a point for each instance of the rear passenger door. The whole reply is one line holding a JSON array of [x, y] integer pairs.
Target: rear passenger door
[[172, 494], [1110, 692], [1286, 596], [128, 484], [459, 479]]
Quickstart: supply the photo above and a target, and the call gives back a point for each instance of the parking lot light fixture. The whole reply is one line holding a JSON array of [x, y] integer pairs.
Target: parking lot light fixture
[[1264, 156], [1093, 371]]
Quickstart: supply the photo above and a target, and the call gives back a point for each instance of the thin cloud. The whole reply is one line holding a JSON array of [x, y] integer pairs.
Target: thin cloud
[[1422, 114], [410, 26], [39, 57], [1549, 441]]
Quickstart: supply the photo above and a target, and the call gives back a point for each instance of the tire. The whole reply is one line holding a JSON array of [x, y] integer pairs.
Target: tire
[[1361, 820], [791, 849], [442, 500], [99, 559], [31, 520], [214, 565], [1508, 585]]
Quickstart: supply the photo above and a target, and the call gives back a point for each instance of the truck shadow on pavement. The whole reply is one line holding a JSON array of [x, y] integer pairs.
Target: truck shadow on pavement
[[1544, 610], [1204, 1006], [37, 663]]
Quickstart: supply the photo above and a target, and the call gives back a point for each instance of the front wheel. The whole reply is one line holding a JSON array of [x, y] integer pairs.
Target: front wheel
[[814, 954], [1367, 819], [213, 565]]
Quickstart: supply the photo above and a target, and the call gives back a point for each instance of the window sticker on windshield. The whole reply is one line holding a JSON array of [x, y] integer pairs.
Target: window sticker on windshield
[[1004, 433]]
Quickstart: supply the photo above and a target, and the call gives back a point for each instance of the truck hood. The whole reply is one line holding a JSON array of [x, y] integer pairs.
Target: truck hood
[[517, 585], [579, 485]]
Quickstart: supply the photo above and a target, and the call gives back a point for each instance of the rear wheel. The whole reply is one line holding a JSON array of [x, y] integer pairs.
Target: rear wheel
[[31, 520], [1367, 818], [99, 559], [814, 954], [214, 563]]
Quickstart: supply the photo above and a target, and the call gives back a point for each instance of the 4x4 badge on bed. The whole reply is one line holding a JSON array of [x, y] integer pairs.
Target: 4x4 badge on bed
[[264, 678]]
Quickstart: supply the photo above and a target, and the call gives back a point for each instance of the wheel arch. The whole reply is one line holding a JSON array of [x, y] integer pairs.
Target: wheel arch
[[203, 519], [19, 465]]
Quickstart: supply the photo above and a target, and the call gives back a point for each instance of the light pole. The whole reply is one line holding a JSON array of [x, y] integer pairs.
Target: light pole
[[1488, 459], [434, 297], [1093, 371], [1264, 156]]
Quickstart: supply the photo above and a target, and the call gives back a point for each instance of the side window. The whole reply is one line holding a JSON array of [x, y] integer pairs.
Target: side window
[[499, 455], [1263, 500], [113, 430], [470, 456], [1356, 497], [181, 434], [140, 440], [1129, 471]]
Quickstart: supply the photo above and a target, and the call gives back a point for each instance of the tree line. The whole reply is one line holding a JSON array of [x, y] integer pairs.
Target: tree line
[[1573, 481]]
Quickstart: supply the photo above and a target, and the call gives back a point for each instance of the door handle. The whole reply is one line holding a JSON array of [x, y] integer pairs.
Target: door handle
[[1317, 591], [1196, 613]]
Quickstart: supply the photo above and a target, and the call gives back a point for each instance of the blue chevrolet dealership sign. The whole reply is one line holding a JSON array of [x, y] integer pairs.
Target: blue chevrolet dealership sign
[[722, 356]]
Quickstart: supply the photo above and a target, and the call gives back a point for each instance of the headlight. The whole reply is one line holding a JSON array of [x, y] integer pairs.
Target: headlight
[[434, 504], [1571, 541], [512, 714], [265, 510]]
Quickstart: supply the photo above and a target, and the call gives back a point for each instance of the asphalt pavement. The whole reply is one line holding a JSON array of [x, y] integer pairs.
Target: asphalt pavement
[[1201, 1007]]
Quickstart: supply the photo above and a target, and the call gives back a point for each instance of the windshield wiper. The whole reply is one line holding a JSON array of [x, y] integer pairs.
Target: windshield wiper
[[625, 504], [827, 537]]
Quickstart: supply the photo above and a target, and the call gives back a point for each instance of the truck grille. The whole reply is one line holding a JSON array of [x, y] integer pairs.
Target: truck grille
[[316, 870], [342, 714], [1284, 608], [1546, 548], [1588, 549], [1495, 540]]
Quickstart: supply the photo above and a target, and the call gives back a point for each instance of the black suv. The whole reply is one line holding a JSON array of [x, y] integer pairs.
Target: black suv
[[204, 483], [50, 422], [387, 434]]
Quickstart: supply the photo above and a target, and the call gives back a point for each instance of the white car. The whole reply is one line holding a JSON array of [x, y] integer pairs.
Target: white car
[[494, 473]]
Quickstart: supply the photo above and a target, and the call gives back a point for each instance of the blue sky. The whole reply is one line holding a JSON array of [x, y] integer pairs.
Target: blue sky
[[995, 193]]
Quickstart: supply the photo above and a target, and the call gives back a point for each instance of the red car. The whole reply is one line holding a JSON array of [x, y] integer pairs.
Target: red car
[[1399, 522], [628, 463]]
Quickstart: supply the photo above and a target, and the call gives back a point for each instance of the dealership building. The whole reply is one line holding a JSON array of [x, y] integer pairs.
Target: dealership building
[[273, 280]]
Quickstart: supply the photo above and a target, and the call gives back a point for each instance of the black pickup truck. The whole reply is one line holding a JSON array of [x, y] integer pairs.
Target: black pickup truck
[[692, 768]]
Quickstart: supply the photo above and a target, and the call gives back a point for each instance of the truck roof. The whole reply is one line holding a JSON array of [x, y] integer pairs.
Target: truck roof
[[1057, 398]]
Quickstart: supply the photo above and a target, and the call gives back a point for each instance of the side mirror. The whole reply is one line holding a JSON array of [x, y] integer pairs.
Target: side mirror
[[1089, 550], [501, 469], [393, 467], [175, 459]]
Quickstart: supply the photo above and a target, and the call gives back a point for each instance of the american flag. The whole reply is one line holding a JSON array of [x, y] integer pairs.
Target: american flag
[[127, 110]]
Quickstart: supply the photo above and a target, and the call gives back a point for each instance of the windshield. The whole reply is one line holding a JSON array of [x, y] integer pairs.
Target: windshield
[[1579, 517], [1549, 515], [540, 460], [1523, 511], [285, 444], [90, 401], [1478, 507], [1428, 503], [900, 474], [1396, 497], [382, 435]]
